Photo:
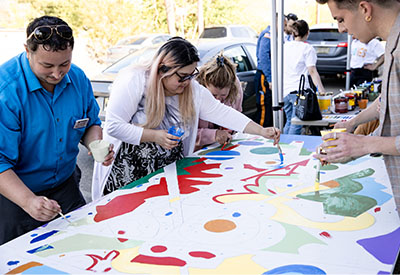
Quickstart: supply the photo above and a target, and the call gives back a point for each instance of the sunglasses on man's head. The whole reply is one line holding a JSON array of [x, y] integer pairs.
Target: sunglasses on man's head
[[43, 33], [187, 77]]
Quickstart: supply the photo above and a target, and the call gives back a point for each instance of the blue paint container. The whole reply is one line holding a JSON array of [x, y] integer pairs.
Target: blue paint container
[[176, 131]]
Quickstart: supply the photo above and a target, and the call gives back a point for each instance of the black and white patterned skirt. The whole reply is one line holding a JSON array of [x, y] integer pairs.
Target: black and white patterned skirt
[[136, 161]]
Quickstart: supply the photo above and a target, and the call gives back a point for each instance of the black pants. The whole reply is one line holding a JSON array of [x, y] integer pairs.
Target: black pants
[[359, 76], [264, 100], [14, 221]]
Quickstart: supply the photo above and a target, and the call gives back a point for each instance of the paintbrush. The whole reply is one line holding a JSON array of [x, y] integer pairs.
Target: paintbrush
[[317, 176], [279, 148], [223, 146], [61, 214]]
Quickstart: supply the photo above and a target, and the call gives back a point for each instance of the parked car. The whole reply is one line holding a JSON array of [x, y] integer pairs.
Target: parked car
[[242, 53], [229, 31], [133, 43], [331, 48]]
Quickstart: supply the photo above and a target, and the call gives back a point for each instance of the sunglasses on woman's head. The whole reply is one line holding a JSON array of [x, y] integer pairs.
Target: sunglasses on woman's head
[[187, 77], [43, 33]]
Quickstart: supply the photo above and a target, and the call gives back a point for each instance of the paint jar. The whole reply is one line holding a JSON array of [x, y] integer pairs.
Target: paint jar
[[341, 104], [372, 96], [351, 104], [363, 103], [324, 102], [358, 94]]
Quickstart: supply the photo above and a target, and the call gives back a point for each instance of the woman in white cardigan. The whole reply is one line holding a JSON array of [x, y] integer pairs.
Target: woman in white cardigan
[[146, 101]]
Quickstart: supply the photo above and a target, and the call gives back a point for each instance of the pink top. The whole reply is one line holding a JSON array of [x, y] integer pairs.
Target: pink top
[[206, 130]]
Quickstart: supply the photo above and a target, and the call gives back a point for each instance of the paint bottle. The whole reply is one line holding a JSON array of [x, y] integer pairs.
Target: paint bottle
[[341, 104], [351, 101]]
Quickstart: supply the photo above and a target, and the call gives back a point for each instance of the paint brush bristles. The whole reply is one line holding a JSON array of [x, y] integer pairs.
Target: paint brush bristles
[[279, 149]]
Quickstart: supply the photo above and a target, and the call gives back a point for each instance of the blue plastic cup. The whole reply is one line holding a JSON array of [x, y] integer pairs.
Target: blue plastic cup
[[176, 131]]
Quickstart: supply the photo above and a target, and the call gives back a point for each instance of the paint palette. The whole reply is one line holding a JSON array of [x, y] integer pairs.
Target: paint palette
[[232, 211]]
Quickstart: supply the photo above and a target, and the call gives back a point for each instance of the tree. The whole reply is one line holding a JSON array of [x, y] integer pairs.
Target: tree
[[170, 8]]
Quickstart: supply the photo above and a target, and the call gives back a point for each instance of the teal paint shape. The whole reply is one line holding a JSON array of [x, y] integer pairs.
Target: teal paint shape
[[342, 200], [265, 151], [295, 238]]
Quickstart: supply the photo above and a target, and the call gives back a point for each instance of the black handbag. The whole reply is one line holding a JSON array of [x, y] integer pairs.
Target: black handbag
[[306, 106]]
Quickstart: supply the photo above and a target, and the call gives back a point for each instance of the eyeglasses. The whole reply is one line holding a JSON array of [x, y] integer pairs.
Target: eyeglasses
[[188, 77], [43, 33]]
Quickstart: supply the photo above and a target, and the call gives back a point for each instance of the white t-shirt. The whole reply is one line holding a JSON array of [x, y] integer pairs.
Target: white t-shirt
[[362, 54], [298, 56]]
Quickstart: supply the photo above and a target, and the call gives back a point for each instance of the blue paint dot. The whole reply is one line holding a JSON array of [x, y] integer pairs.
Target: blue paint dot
[[228, 168], [236, 214], [140, 185], [68, 216], [34, 235], [295, 269], [322, 172], [290, 185], [13, 262], [90, 213], [168, 214]]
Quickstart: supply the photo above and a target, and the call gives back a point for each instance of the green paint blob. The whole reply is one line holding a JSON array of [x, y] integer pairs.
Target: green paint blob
[[264, 151], [295, 238], [81, 242], [342, 200]]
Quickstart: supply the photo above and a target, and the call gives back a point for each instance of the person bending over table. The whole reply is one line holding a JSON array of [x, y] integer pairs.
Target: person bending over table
[[146, 101], [219, 77], [366, 20]]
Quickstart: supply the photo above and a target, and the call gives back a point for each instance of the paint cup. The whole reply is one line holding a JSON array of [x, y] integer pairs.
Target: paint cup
[[176, 131], [338, 130], [99, 149], [325, 103], [362, 103]]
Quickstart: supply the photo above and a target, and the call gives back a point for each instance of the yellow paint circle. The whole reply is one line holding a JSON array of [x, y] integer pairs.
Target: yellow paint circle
[[219, 226]]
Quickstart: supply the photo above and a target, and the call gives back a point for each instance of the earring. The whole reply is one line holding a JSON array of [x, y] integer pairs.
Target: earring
[[368, 18]]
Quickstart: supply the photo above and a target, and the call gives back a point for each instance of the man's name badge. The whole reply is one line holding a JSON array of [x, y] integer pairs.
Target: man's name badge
[[81, 123]]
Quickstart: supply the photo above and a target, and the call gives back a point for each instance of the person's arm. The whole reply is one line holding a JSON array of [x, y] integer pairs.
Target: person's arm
[[371, 113], [15, 190], [269, 132], [312, 70], [348, 146], [378, 62]]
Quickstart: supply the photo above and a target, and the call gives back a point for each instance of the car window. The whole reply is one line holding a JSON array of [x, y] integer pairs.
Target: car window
[[132, 41], [327, 35], [139, 57], [157, 40], [239, 57], [214, 32], [252, 49], [239, 32]]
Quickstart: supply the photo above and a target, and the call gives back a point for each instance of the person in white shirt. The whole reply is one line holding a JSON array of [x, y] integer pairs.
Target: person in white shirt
[[365, 60], [146, 101], [299, 58]]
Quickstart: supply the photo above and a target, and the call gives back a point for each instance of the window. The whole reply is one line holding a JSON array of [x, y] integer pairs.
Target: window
[[239, 57]]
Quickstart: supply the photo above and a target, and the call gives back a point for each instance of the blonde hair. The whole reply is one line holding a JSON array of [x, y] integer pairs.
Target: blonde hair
[[220, 72], [176, 53]]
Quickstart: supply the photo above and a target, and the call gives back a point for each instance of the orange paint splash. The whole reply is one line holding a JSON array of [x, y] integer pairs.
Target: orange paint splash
[[219, 226]]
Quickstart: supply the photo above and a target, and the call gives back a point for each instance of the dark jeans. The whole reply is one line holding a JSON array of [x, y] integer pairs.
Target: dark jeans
[[14, 221], [264, 100]]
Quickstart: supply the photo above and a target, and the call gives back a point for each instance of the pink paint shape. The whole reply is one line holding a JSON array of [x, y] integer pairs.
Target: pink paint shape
[[251, 167], [171, 261], [325, 234], [377, 209], [202, 254], [121, 232], [158, 248], [122, 240], [229, 190], [96, 259], [271, 191]]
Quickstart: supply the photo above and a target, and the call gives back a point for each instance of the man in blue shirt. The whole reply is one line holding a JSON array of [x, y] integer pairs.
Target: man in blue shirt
[[46, 107], [262, 79]]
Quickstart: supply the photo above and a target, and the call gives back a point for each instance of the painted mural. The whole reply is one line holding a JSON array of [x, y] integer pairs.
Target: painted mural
[[240, 210]]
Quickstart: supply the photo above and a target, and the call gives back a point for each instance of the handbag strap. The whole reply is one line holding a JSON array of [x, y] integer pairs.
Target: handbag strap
[[311, 82], [301, 84]]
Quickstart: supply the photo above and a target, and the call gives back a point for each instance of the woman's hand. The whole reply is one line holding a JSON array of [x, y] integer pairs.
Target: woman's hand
[[165, 140], [222, 136], [110, 157], [272, 133]]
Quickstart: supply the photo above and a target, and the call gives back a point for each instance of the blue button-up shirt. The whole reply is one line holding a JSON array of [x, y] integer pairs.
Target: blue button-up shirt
[[37, 136], [264, 53]]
